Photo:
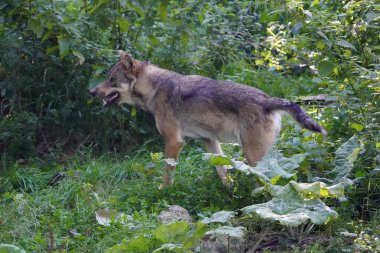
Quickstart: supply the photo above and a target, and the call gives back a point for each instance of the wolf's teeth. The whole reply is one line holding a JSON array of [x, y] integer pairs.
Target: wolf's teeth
[[104, 102]]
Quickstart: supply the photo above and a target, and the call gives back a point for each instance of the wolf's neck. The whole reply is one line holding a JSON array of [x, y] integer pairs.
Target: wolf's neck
[[158, 75]]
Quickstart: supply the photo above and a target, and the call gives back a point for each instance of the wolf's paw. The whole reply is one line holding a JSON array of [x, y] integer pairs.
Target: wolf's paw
[[164, 185]]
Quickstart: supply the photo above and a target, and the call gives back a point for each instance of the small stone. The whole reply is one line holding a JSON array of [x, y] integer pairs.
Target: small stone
[[173, 214], [73, 233], [58, 177]]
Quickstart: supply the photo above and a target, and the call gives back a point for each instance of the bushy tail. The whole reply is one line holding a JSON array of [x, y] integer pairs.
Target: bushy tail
[[297, 114]]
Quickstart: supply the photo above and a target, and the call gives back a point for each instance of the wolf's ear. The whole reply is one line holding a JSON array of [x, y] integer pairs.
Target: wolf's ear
[[126, 60]]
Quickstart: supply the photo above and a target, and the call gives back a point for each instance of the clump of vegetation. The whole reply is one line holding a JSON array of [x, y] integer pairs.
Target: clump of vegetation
[[66, 159]]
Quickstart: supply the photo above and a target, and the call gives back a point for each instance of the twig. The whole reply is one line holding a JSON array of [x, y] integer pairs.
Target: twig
[[257, 244], [265, 245], [51, 243]]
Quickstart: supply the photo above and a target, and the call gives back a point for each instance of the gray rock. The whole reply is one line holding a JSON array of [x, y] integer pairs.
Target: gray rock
[[174, 213], [221, 244]]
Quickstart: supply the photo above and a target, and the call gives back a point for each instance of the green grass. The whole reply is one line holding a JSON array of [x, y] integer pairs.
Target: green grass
[[35, 214], [38, 216]]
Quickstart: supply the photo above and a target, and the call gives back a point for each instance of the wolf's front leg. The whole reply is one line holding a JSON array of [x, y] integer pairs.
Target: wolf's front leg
[[172, 149], [214, 147]]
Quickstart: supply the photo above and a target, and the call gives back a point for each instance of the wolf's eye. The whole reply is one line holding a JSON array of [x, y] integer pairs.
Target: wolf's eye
[[112, 79]]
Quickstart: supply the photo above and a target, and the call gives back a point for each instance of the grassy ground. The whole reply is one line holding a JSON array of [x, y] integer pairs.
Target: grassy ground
[[58, 215], [47, 207], [40, 214]]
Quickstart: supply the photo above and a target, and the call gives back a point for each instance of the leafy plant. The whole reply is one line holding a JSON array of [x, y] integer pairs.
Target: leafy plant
[[53, 51], [293, 203], [8, 248], [173, 237]]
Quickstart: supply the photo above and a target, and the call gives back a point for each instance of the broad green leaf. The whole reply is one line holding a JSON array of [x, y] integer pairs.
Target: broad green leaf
[[215, 159], [185, 37], [136, 7], [100, 3], [372, 15], [274, 168], [64, 44], [8, 248], [137, 244], [51, 50], [202, 13], [323, 35], [163, 9], [172, 232], [290, 209], [325, 68], [123, 23], [153, 39], [200, 230], [195, 238], [345, 43], [275, 179], [315, 3], [375, 171], [36, 27], [357, 126], [354, 155], [345, 156], [170, 247], [248, 170], [236, 232], [318, 190], [222, 217]]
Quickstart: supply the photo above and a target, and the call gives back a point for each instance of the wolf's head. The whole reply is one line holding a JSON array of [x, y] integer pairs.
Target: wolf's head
[[119, 86]]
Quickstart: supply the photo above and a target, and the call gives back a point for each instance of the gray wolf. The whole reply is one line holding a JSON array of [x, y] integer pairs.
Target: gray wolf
[[200, 107]]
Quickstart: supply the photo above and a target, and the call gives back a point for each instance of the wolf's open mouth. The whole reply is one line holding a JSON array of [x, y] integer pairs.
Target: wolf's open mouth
[[111, 99]]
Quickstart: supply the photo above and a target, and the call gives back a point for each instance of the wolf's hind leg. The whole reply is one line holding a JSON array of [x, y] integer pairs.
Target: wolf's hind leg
[[214, 147]]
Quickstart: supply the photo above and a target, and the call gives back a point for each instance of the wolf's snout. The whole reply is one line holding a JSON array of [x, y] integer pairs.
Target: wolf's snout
[[93, 92]]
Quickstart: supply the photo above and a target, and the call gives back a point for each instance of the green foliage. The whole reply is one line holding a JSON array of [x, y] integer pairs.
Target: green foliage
[[222, 217], [7, 248], [137, 244], [173, 237], [53, 51], [234, 232], [293, 203], [17, 134], [345, 156], [290, 207]]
